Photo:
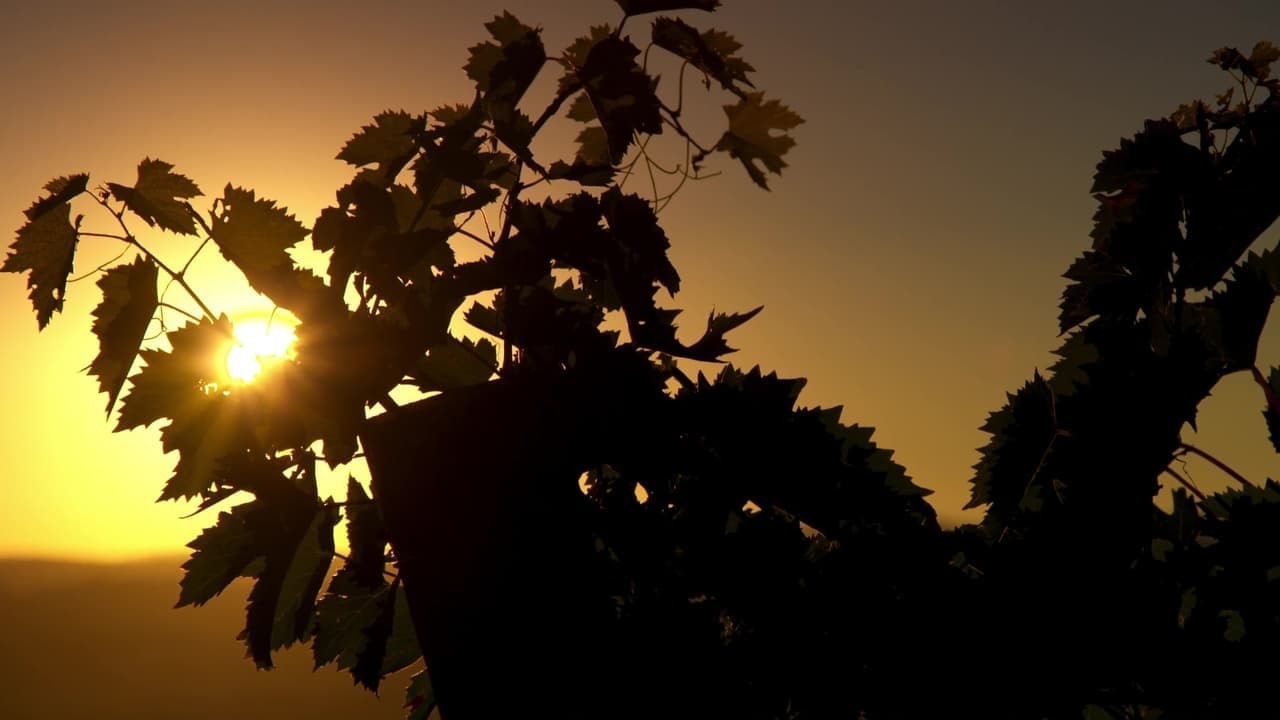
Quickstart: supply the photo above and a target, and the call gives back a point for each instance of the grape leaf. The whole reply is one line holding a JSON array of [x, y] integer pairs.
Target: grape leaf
[[343, 617], [120, 322], [367, 538], [222, 553], [183, 385], [61, 190], [388, 143], [367, 630], [158, 197], [46, 247], [750, 135], [298, 544], [456, 363], [504, 71], [639, 7], [712, 344], [1022, 434], [620, 92], [711, 51], [1271, 413], [253, 233], [419, 696]]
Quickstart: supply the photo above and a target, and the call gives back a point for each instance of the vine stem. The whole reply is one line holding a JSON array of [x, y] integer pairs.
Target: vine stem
[[176, 276], [1272, 401], [347, 559], [1184, 482], [1188, 448]]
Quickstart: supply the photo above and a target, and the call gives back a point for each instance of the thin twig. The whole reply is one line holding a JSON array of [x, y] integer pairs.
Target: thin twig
[[1185, 447], [1187, 484]]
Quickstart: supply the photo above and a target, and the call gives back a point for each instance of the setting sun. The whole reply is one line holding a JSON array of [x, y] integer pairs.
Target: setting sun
[[257, 341]]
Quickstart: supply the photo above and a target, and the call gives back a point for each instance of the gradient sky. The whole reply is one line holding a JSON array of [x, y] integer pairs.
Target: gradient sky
[[908, 260]]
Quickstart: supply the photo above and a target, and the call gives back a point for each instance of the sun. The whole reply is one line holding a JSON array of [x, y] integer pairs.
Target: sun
[[258, 342]]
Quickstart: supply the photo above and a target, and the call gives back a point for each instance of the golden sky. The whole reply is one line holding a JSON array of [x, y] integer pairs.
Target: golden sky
[[908, 260]]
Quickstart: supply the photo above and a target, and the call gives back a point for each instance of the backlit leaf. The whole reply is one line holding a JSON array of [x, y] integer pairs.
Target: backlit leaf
[[120, 322], [159, 197], [419, 696], [503, 71], [184, 385], [253, 233], [751, 136], [388, 143], [222, 553], [711, 51], [620, 92], [298, 548], [456, 363], [45, 248]]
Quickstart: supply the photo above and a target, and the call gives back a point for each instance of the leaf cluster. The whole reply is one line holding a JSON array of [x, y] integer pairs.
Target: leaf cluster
[[753, 557]]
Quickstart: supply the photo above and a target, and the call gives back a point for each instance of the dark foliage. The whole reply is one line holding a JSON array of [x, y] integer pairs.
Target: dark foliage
[[568, 523]]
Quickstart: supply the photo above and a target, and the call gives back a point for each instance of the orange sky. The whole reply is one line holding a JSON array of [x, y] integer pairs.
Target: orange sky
[[908, 260]]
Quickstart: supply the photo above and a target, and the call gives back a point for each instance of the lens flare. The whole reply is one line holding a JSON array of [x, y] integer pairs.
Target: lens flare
[[258, 342]]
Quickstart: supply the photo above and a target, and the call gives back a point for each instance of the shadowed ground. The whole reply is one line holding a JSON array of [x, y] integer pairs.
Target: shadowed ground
[[84, 640]]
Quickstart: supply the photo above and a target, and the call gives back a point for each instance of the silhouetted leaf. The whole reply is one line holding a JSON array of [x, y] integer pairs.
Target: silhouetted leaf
[[222, 553], [419, 696], [298, 549], [45, 248], [366, 537], [712, 344], [389, 142], [621, 93], [456, 363], [1272, 413], [253, 233], [503, 71], [183, 384], [61, 190], [1022, 434], [120, 322], [158, 197], [751, 139], [711, 51], [639, 7], [343, 620]]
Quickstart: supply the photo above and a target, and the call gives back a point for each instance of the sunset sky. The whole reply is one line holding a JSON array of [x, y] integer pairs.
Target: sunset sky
[[909, 258]]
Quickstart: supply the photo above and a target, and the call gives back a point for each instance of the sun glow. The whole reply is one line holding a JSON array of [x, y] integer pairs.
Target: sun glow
[[258, 342]]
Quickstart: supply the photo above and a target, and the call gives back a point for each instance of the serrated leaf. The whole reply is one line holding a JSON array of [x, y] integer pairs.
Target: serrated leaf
[[402, 648], [159, 197], [620, 92], [419, 696], [342, 620], [382, 645], [120, 322], [456, 363], [750, 138], [61, 190], [222, 553], [45, 249], [485, 318], [504, 71], [712, 345], [711, 51], [389, 142], [1271, 413], [1022, 434], [367, 538], [639, 7], [298, 548], [182, 384], [253, 233]]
